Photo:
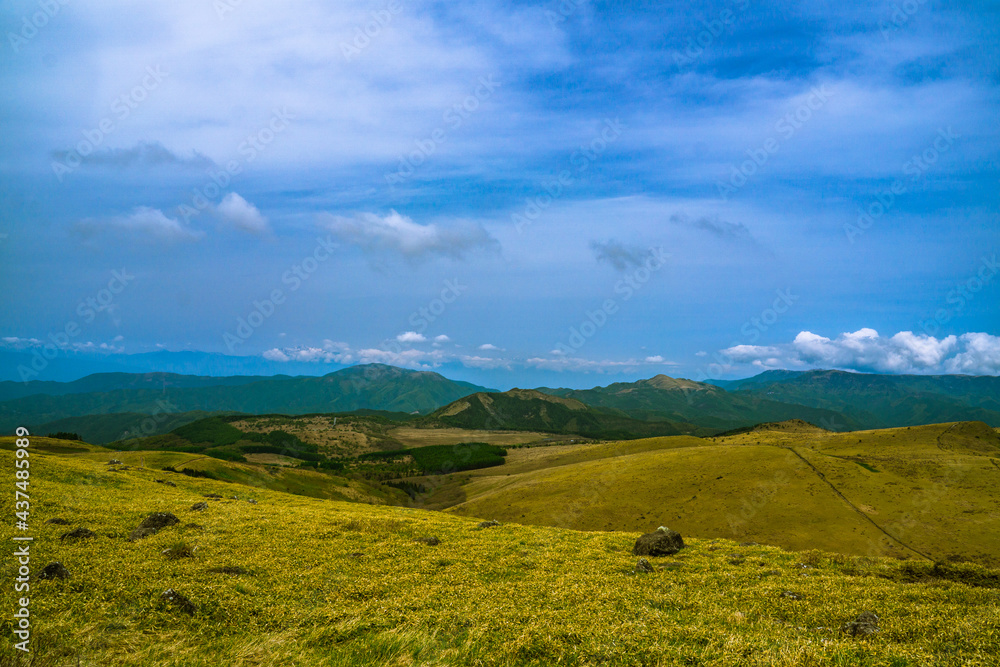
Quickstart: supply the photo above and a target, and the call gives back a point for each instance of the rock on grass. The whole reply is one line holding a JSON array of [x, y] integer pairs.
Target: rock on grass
[[865, 625], [54, 570], [663, 542], [176, 599], [78, 534], [152, 525]]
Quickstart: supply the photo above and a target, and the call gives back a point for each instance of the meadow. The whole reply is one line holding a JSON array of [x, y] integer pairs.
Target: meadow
[[292, 580]]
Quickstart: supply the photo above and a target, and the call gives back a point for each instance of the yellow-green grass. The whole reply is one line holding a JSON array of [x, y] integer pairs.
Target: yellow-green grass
[[277, 478], [929, 491], [422, 437], [331, 583]]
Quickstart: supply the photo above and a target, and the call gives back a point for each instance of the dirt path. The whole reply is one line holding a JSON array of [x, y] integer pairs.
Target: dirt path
[[855, 507]]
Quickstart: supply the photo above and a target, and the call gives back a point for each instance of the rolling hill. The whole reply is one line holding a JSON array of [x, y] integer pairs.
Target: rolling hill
[[678, 400], [292, 580], [372, 386], [531, 410], [880, 401], [928, 491]]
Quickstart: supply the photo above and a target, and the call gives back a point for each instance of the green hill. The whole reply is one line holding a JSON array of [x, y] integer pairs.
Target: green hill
[[881, 401], [916, 492], [705, 405], [531, 410], [372, 386], [298, 582]]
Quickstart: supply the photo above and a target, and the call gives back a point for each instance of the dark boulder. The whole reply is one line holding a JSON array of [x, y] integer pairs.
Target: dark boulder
[[176, 599], [865, 625], [54, 570], [78, 534], [152, 525], [643, 566], [488, 524], [199, 507], [662, 542]]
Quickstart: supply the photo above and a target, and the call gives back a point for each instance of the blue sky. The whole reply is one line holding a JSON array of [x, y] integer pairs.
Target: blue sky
[[514, 193]]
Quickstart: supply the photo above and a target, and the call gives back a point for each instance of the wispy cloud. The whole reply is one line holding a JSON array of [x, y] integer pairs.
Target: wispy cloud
[[398, 235], [143, 223], [143, 154], [618, 255], [715, 226]]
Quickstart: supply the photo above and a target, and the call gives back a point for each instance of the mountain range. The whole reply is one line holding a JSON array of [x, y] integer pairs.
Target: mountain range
[[102, 406]]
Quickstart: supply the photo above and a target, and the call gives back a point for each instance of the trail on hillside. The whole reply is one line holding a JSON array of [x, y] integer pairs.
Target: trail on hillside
[[855, 507]]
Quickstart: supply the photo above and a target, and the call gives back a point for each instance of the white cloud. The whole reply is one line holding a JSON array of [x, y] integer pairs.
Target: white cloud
[[396, 234], [241, 214], [657, 359], [866, 350], [143, 221], [411, 337], [488, 346], [330, 352], [443, 338]]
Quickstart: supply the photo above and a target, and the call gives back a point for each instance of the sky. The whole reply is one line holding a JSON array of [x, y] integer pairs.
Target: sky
[[519, 194]]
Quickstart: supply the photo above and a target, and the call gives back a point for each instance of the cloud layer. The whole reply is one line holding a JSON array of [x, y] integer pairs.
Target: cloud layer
[[866, 350]]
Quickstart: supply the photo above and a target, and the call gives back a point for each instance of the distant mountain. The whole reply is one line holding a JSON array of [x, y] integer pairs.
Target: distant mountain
[[880, 401], [704, 405], [105, 382], [372, 386], [531, 410], [102, 429]]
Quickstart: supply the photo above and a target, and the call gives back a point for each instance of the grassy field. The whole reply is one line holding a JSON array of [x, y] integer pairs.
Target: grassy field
[[920, 492], [296, 581], [421, 437]]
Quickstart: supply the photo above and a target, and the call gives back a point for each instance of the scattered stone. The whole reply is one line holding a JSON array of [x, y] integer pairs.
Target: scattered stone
[[54, 570], [643, 566], [230, 569], [488, 524], [770, 573], [749, 544], [152, 525], [199, 507], [163, 481], [233, 498], [865, 625], [114, 462], [78, 534], [179, 550], [173, 597], [357, 554], [252, 501], [791, 595], [213, 496], [431, 541], [59, 522], [193, 526], [663, 542], [122, 469], [738, 559]]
